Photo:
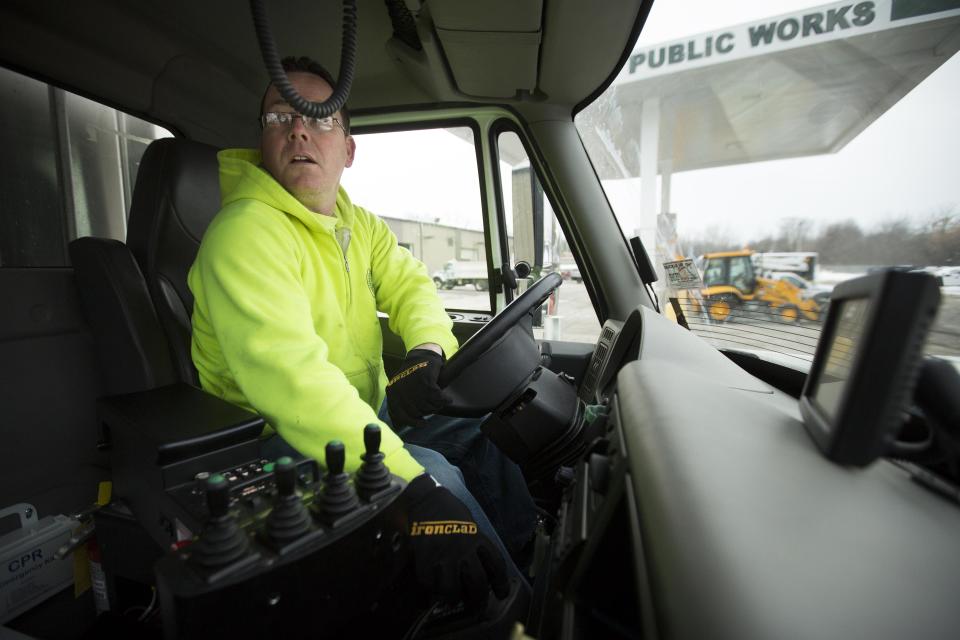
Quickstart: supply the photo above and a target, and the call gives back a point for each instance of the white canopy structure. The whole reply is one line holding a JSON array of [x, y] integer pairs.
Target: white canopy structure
[[792, 85]]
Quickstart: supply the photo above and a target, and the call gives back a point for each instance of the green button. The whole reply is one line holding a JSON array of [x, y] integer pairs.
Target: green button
[[269, 467], [591, 412], [216, 479]]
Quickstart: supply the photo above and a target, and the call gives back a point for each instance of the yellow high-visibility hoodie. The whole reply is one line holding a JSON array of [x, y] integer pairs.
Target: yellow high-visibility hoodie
[[285, 312]]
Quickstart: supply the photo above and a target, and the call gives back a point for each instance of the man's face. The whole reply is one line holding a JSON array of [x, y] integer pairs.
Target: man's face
[[308, 163]]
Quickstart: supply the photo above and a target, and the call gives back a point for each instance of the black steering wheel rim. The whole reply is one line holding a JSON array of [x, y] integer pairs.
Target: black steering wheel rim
[[471, 350]]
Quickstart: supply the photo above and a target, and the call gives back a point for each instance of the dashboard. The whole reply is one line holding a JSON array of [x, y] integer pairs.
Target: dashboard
[[730, 523]]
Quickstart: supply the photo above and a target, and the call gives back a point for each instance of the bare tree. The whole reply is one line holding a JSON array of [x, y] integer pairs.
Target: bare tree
[[795, 233], [936, 241], [713, 238], [839, 243], [942, 236]]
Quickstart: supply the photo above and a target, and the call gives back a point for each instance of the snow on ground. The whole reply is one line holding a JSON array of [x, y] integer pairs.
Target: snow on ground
[[832, 278]]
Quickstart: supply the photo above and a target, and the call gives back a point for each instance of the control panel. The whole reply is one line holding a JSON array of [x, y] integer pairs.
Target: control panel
[[250, 486], [283, 551], [239, 545]]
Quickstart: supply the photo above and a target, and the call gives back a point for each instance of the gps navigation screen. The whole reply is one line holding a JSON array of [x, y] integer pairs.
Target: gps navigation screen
[[841, 354]]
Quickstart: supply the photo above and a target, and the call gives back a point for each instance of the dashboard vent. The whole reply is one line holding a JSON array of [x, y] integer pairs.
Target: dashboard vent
[[590, 379], [599, 356]]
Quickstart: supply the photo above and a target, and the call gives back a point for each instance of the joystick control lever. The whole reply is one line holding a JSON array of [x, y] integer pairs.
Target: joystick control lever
[[222, 541], [373, 477], [338, 498], [289, 519]]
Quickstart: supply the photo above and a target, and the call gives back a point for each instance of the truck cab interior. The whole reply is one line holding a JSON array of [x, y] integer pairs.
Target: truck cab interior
[[680, 494]]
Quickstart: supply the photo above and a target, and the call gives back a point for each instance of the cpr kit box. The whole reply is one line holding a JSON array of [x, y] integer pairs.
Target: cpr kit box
[[29, 573]]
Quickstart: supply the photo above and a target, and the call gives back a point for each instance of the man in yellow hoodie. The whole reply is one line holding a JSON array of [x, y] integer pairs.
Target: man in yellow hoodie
[[287, 284]]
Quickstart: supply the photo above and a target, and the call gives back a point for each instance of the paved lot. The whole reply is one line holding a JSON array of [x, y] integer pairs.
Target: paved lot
[[798, 341], [578, 322]]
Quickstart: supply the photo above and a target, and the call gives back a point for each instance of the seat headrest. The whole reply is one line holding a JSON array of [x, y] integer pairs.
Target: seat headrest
[[176, 196]]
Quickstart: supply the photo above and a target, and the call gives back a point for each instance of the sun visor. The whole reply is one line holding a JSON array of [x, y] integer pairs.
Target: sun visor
[[493, 47], [492, 64]]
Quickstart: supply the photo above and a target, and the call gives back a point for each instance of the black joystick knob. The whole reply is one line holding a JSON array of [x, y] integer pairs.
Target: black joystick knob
[[371, 441], [218, 496], [373, 476], [335, 456], [338, 497], [285, 474], [289, 518], [222, 541]]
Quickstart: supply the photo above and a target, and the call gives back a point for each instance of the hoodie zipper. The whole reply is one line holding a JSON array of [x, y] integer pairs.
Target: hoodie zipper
[[342, 235], [343, 239]]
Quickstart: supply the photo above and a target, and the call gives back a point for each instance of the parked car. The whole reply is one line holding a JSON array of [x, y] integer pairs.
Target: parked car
[[458, 273], [949, 276], [818, 292], [570, 271]]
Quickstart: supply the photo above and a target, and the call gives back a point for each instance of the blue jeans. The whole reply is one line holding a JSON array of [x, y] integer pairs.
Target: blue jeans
[[493, 479], [450, 477]]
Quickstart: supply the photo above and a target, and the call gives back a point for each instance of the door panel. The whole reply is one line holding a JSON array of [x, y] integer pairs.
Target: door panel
[[49, 383]]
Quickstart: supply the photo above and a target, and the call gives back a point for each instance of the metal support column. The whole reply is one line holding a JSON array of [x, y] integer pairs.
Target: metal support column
[[646, 226]]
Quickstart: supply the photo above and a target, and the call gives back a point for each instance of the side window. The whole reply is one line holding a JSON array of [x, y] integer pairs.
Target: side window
[[105, 147], [535, 236], [714, 275], [32, 224], [425, 185], [67, 171], [740, 273]]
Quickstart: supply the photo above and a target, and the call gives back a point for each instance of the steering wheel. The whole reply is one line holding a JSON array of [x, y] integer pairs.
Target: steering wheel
[[498, 357]]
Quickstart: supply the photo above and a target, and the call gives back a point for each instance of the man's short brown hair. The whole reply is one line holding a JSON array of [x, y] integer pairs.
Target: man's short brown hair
[[303, 64]]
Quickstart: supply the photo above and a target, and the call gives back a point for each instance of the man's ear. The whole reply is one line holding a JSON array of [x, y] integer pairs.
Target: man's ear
[[351, 149]]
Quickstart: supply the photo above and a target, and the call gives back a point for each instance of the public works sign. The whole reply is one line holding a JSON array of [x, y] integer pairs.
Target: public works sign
[[787, 31]]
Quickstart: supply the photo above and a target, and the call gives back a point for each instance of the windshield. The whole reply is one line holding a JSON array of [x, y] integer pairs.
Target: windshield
[[818, 140]]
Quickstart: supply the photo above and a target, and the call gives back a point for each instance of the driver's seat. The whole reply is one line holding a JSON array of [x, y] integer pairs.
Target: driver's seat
[[176, 196]]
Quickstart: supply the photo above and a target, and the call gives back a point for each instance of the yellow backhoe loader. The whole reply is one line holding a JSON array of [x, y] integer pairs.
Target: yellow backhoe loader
[[731, 285]]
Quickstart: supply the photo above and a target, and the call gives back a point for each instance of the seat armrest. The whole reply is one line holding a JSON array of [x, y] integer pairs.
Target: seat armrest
[[173, 423], [160, 440]]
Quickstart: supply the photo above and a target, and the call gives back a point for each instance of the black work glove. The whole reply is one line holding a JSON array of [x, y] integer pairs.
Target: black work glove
[[453, 559], [413, 393]]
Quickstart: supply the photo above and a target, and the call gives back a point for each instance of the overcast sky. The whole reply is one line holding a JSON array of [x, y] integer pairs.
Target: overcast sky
[[418, 175], [904, 165]]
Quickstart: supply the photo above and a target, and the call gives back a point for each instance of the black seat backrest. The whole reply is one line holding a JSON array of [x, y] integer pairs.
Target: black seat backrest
[[176, 196], [132, 348]]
